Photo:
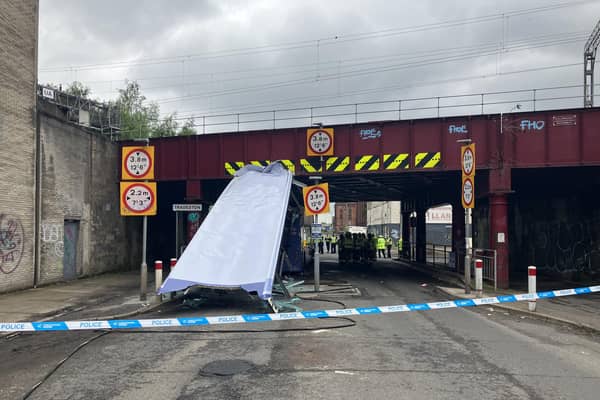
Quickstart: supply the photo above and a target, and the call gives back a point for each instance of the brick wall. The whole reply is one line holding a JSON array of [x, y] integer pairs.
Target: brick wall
[[18, 77]]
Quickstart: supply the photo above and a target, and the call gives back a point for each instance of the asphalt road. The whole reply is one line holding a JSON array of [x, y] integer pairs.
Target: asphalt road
[[482, 353]]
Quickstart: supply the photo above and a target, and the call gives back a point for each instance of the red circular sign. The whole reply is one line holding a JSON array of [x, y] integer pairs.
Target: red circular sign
[[316, 200], [468, 161], [138, 198], [137, 163], [320, 141], [467, 192]]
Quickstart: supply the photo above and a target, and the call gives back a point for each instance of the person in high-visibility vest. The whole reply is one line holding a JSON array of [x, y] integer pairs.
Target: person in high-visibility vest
[[334, 241], [388, 243], [399, 247], [347, 247], [380, 247]]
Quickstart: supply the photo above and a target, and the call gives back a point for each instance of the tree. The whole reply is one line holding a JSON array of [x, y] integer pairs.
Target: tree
[[137, 118], [188, 127], [78, 89]]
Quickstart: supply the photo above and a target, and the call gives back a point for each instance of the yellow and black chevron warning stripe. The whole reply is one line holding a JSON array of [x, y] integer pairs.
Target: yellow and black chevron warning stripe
[[311, 165], [396, 161], [337, 164], [289, 164], [428, 159], [233, 166], [260, 163], [367, 163]]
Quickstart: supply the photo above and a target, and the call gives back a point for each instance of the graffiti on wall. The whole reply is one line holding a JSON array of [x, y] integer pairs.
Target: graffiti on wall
[[11, 243], [52, 239], [565, 247]]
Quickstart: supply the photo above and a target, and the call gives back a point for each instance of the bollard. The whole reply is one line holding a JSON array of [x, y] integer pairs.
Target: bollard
[[478, 277], [158, 265], [532, 280], [172, 263]]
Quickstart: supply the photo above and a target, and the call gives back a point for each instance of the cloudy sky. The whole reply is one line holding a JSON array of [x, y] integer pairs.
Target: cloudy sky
[[228, 56]]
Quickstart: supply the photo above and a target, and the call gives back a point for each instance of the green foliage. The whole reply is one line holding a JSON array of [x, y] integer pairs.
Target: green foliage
[[141, 119], [78, 89]]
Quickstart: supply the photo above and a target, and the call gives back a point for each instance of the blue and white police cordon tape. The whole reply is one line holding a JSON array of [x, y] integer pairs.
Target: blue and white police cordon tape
[[249, 318]]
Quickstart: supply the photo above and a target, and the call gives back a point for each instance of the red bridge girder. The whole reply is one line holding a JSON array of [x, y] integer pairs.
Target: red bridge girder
[[536, 139]]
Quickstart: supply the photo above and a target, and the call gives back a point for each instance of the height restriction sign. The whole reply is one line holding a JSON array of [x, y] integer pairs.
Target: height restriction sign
[[319, 142], [468, 159], [137, 162], [138, 198], [316, 199]]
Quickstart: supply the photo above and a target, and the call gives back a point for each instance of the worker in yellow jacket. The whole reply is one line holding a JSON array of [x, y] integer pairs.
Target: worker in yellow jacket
[[380, 246]]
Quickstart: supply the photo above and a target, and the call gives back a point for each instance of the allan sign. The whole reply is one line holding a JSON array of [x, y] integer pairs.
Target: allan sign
[[187, 207]]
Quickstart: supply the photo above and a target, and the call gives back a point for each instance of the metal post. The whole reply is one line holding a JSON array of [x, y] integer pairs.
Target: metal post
[[532, 272], [176, 233], [468, 247], [158, 266], [317, 271], [495, 270], [481, 103], [144, 266], [478, 277]]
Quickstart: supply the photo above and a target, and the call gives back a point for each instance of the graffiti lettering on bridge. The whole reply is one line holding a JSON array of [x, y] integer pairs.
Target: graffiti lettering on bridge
[[566, 247], [11, 243], [53, 239]]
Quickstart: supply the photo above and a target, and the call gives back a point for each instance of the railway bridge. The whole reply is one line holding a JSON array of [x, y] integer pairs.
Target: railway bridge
[[537, 182]]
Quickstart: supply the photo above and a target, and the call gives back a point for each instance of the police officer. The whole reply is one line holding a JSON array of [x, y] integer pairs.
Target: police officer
[[380, 247], [328, 243], [388, 243], [334, 240], [399, 247]]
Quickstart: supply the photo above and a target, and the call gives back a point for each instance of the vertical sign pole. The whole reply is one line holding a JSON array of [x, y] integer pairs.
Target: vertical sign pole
[[468, 246], [144, 266], [317, 260], [176, 234]]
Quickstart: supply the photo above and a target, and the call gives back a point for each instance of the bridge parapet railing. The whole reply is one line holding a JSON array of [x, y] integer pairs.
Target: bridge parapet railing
[[536, 99]]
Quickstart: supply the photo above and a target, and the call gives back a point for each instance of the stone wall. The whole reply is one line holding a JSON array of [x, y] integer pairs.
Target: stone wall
[[18, 77], [82, 232]]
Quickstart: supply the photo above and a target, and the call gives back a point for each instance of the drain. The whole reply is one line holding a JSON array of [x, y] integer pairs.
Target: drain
[[226, 367]]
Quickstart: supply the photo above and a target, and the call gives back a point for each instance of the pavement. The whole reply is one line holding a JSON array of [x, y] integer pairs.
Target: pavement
[[580, 311], [106, 296]]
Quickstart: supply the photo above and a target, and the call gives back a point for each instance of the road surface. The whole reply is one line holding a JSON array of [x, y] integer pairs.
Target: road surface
[[482, 353]]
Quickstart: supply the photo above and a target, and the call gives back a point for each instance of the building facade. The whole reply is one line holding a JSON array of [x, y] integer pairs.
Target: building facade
[[349, 214], [18, 82]]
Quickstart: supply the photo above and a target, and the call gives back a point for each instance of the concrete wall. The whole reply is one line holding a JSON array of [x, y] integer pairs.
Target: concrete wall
[[80, 188], [383, 212], [18, 77]]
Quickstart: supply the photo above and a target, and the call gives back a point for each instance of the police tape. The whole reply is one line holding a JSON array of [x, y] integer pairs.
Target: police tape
[[251, 318]]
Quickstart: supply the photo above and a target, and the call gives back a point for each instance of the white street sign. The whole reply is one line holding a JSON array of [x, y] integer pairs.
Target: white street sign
[[187, 207]]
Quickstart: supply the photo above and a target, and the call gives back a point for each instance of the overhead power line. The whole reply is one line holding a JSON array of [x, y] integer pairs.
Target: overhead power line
[[332, 40]]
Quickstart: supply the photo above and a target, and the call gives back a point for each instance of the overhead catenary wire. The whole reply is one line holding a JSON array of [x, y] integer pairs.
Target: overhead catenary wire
[[332, 39]]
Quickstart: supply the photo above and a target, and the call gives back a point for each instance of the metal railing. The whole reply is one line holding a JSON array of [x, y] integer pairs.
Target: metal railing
[[489, 258], [558, 97], [438, 254]]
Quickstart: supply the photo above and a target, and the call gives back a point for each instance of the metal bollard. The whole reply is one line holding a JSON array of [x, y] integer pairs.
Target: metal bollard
[[478, 277], [172, 263], [532, 281], [158, 265]]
